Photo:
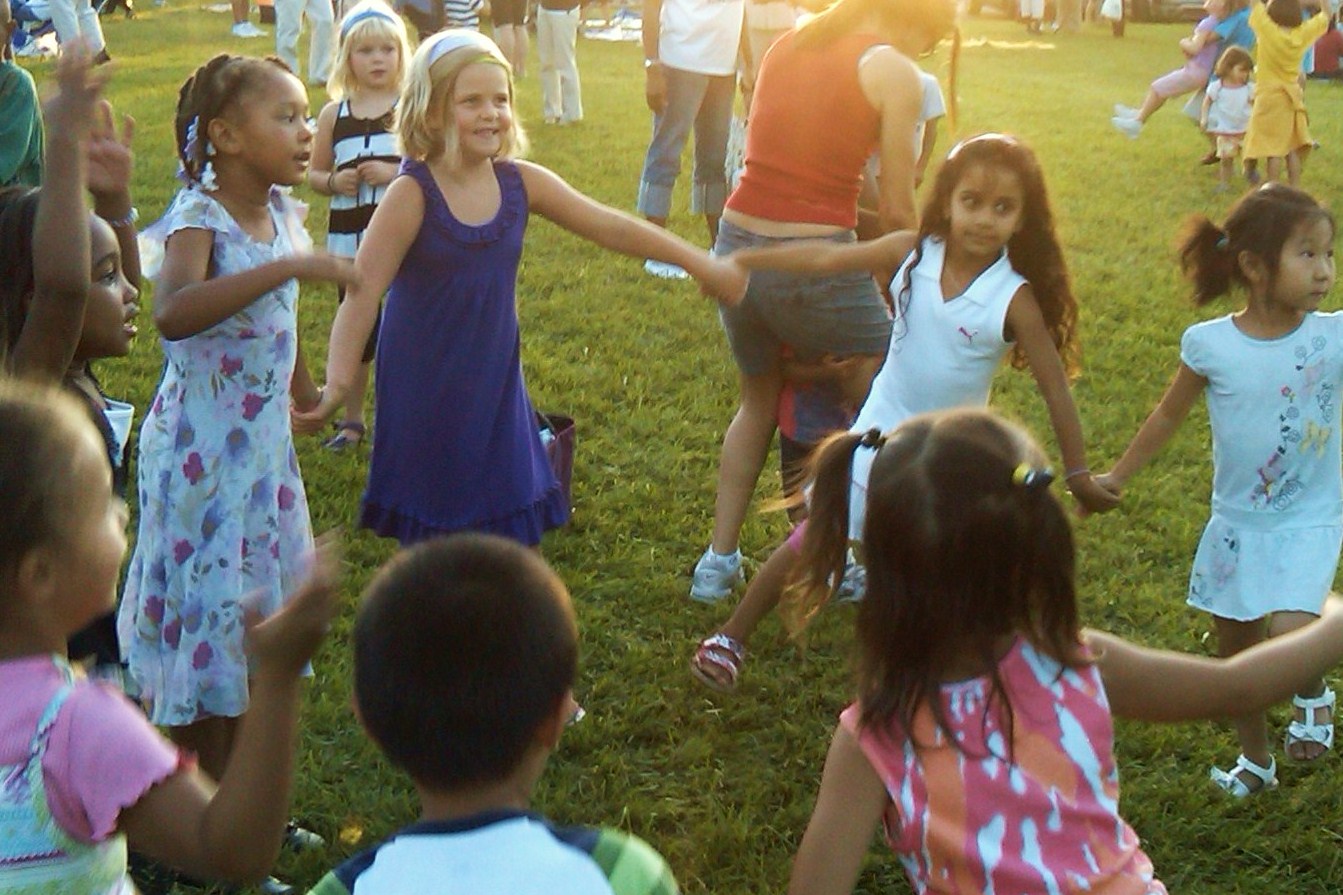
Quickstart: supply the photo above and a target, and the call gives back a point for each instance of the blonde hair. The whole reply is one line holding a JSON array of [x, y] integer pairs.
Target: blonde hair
[[422, 129], [368, 20]]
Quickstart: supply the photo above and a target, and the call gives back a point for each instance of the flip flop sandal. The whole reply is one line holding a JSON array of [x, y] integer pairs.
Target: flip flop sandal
[[717, 662], [1309, 731], [341, 440], [1231, 781]]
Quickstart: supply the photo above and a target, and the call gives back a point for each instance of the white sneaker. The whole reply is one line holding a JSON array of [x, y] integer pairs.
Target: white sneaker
[[247, 29], [853, 586], [1123, 111], [664, 270], [1129, 127], [715, 576]]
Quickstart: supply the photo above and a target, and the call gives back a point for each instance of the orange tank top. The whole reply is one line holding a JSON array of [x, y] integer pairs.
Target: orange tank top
[[811, 132]]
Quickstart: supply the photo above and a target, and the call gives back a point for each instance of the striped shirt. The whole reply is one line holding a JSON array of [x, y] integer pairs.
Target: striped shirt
[[503, 853], [355, 140]]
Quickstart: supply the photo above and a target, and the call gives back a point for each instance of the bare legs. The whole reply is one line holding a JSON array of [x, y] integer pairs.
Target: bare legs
[[745, 447], [512, 41], [1236, 636]]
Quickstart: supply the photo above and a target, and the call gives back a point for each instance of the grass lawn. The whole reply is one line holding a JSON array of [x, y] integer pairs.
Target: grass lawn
[[724, 786]]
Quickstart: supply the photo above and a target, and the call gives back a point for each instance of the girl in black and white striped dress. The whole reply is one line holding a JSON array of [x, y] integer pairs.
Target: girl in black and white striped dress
[[355, 155]]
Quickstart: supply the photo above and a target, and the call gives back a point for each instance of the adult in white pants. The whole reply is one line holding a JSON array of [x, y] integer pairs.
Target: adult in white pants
[[321, 45], [76, 20], [557, 45]]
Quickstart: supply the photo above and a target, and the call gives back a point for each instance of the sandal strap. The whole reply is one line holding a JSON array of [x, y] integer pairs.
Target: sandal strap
[[1325, 700], [1231, 782], [349, 426], [716, 644]]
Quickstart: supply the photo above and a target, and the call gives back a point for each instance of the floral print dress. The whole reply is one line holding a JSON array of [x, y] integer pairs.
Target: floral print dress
[[223, 516]]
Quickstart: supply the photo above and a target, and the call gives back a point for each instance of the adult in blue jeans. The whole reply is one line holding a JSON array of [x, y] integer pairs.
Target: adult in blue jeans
[[829, 92], [690, 69]]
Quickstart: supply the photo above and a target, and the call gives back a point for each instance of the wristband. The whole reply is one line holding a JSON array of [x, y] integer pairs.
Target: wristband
[[1074, 473], [128, 221]]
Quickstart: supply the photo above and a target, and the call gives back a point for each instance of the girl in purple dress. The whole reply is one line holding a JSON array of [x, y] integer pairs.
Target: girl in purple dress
[[456, 447]]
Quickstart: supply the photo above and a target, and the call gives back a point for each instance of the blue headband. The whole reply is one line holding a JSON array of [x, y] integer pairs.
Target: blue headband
[[363, 15], [455, 39]]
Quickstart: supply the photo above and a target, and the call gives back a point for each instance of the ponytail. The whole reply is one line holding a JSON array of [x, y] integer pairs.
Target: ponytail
[[825, 542], [1207, 260]]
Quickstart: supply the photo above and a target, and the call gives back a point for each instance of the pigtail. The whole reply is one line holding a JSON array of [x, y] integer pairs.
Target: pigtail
[[1207, 260], [825, 545]]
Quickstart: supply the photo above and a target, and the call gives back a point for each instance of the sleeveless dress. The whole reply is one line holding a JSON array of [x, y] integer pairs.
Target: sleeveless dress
[[456, 447], [355, 140], [1037, 814], [944, 352], [223, 514]]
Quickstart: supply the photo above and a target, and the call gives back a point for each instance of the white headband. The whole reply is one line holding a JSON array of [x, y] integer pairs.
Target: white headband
[[370, 12], [455, 38]]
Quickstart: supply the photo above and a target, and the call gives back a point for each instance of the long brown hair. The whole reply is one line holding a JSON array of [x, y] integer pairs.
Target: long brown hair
[[1034, 249], [964, 545]]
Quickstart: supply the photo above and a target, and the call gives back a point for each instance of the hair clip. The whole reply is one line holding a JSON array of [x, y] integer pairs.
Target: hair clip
[[1222, 243], [1032, 477], [872, 438]]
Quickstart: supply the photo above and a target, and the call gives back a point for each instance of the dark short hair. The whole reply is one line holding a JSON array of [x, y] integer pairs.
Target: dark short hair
[[463, 647], [40, 428]]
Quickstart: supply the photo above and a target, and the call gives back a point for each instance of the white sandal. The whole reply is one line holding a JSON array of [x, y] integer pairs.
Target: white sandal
[[1230, 780], [1309, 731]]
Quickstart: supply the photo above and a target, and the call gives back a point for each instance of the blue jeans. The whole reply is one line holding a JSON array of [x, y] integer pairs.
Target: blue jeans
[[703, 102]]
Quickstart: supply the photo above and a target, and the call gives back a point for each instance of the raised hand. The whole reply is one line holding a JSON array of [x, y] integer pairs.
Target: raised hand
[[70, 111], [286, 641], [110, 161]]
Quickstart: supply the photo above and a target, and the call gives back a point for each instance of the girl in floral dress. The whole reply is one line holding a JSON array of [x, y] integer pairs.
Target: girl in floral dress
[[223, 517]]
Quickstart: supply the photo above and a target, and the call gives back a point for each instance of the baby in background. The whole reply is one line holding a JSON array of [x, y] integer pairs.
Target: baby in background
[[1226, 110]]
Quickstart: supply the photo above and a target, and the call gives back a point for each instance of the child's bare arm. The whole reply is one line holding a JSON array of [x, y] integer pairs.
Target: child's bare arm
[[1159, 427], [848, 808], [1161, 685], [322, 174], [821, 257], [611, 228], [55, 317], [186, 302], [233, 831], [1028, 329]]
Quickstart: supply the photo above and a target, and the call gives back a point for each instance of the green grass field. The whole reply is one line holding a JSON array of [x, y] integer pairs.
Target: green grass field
[[724, 786]]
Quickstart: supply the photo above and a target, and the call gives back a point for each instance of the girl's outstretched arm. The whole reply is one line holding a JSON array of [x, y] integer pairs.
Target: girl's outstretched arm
[[882, 256], [848, 808], [55, 317], [390, 233], [1160, 426], [233, 831], [610, 228], [1160, 685], [1026, 325]]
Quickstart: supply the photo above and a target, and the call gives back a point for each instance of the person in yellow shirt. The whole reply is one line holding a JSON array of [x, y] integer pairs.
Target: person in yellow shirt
[[1279, 129]]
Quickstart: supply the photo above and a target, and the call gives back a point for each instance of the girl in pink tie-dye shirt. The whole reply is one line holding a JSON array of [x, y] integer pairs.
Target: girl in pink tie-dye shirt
[[982, 735]]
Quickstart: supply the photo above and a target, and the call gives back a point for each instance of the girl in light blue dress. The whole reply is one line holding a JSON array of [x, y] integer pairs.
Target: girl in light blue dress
[[1272, 374], [223, 518]]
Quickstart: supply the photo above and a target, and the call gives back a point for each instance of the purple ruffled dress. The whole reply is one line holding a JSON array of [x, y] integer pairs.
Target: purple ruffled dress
[[456, 445]]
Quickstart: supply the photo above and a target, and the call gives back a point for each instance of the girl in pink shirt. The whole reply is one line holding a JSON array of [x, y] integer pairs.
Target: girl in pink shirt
[[82, 772], [982, 736]]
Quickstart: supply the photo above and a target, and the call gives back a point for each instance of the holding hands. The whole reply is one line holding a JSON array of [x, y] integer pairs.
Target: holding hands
[[374, 173]]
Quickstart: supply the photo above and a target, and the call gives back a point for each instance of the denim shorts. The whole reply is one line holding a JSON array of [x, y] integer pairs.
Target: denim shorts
[[841, 314]]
